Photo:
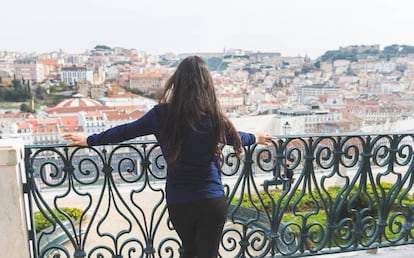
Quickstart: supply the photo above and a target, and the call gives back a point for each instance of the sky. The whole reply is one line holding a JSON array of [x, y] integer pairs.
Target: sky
[[290, 27]]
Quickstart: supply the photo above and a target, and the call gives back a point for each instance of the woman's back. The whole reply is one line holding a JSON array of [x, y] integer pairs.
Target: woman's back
[[195, 174]]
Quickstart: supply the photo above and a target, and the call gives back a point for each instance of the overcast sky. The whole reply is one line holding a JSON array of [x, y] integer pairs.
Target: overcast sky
[[291, 27]]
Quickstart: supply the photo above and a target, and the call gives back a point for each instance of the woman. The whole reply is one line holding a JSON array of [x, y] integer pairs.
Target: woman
[[189, 125]]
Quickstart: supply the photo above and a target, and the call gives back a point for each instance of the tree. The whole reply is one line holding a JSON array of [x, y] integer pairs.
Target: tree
[[17, 84], [317, 64], [391, 51], [405, 49], [40, 93], [26, 108], [104, 47]]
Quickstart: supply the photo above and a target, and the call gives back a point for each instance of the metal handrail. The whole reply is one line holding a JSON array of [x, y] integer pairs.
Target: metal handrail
[[302, 196]]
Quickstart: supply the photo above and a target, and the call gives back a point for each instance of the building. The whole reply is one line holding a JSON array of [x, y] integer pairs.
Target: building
[[124, 99], [7, 119], [229, 101], [92, 122], [76, 73], [51, 68], [37, 131], [315, 91], [6, 69], [147, 82], [5, 78], [308, 119], [74, 105], [29, 70], [117, 117]]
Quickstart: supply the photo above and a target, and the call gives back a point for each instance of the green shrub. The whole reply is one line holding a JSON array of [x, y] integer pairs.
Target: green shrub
[[306, 201], [303, 205], [41, 222]]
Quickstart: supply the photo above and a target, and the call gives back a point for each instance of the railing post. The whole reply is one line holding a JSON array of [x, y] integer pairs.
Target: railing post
[[14, 241]]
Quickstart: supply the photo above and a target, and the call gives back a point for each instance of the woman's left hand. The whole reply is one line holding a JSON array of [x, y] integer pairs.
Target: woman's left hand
[[264, 138]]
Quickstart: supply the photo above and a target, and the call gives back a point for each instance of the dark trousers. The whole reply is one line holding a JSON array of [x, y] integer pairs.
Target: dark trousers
[[199, 226]]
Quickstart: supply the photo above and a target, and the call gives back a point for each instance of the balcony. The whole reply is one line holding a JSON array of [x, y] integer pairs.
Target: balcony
[[302, 196]]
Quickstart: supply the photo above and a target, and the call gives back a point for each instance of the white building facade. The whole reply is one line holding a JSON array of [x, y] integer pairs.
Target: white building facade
[[76, 73]]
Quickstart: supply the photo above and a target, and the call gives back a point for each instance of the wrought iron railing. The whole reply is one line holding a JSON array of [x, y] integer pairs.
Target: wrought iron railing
[[300, 196]]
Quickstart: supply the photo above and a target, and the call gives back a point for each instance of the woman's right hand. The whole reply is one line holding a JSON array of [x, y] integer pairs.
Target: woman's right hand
[[76, 139]]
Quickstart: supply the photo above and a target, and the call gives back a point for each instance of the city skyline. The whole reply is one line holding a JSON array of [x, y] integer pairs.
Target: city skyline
[[297, 27]]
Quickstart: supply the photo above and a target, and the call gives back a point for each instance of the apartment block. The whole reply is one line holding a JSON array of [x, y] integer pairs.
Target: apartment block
[[147, 82], [29, 70], [76, 73]]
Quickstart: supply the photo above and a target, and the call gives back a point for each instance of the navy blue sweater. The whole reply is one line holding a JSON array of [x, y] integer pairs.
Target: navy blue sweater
[[195, 176]]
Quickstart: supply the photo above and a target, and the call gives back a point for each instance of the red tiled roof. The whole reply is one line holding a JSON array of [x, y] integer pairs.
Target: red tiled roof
[[71, 129], [49, 61], [16, 115], [95, 114], [69, 120], [123, 115], [45, 128], [23, 125], [47, 121], [75, 105]]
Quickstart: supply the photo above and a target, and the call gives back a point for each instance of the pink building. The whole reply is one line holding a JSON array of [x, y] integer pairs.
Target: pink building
[[147, 82], [29, 69]]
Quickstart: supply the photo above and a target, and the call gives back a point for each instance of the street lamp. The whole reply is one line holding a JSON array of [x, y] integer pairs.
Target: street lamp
[[288, 175], [286, 128]]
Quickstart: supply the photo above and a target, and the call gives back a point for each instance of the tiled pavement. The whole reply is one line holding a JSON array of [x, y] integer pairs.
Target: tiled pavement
[[406, 251]]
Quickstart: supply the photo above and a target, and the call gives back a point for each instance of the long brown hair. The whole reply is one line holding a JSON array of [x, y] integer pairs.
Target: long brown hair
[[190, 94]]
